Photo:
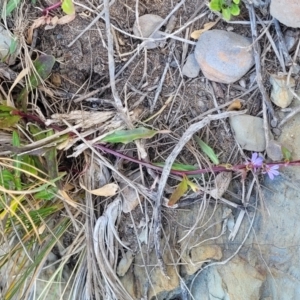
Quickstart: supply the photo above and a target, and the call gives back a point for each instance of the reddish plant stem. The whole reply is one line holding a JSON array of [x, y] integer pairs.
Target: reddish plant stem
[[34, 118], [49, 8], [214, 169]]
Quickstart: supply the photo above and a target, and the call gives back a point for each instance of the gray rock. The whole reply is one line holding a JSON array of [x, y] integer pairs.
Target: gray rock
[[191, 67], [291, 37], [145, 26], [249, 132], [274, 150], [224, 56], [286, 12], [281, 93]]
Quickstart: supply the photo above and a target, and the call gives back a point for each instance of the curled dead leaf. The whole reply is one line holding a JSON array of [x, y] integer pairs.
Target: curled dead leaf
[[235, 105], [107, 190]]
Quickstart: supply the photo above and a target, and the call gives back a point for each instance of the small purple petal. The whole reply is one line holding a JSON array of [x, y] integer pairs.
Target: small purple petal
[[272, 171], [256, 160]]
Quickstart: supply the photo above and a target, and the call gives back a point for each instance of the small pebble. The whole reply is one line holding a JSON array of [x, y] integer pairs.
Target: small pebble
[[249, 132], [242, 83], [276, 131], [274, 150], [145, 27], [191, 67]]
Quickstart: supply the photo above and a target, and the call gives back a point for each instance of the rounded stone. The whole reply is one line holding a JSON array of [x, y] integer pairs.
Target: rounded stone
[[224, 56], [191, 67], [145, 26], [249, 132], [286, 11]]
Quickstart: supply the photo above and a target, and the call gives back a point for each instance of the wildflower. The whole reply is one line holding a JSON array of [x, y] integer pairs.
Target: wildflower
[[255, 162], [271, 171]]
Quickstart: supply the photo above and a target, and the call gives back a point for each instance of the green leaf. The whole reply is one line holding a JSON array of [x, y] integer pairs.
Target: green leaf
[[215, 5], [7, 179], [6, 122], [127, 136], [47, 194], [226, 13], [234, 10], [236, 1], [11, 6], [43, 66], [5, 108], [177, 166], [208, 151], [68, 7], [17, 161], [27, 159], [287, 155], [179, 192]]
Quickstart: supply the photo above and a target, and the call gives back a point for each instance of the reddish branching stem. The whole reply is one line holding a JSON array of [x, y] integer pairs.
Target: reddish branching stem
[[49, 8], [213, 169]]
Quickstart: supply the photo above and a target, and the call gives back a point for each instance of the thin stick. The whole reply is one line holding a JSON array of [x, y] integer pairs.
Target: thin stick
[[162, 79], [110, 53], [287, 58], [264, 94]]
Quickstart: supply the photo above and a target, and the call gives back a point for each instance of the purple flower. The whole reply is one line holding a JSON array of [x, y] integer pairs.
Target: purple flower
[[272, 171], [256, 160]]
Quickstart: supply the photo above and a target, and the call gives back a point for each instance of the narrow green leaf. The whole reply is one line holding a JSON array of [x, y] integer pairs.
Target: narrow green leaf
[[287, 155], [17, 161], [234, 10], [127, 136], [179, 192], [7, 179], [208, 151], [68, 7], [43, 66], [226, 13], [5, 108], [236, 1], [27, 159], [11, 6], [177, 166], [47, 194]]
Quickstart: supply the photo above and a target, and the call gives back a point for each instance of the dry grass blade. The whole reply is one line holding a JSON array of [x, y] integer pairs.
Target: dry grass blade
[[106, 249]]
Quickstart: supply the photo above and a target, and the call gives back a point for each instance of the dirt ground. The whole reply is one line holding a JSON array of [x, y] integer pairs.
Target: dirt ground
[[80, 81]]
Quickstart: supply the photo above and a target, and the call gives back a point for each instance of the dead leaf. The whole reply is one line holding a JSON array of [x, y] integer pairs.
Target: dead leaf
[[222, 182], [66, 19], [85, 119], [196, 34], [179, 192], [107, 190], [36, 24], [235, 105], [56, 79], [67, 198]]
